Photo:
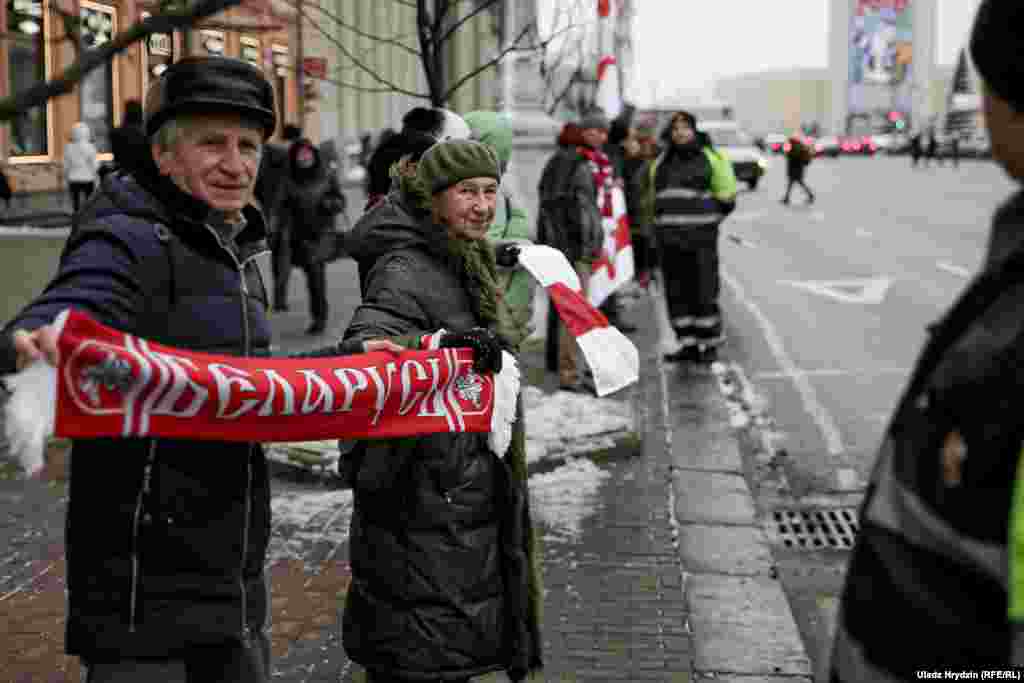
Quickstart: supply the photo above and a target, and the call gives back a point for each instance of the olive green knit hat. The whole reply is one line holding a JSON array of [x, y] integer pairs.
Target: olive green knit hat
[[450, 161]]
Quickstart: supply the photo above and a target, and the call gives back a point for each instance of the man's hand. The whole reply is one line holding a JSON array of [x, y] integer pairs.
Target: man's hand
[[486, 347], [31, 346]]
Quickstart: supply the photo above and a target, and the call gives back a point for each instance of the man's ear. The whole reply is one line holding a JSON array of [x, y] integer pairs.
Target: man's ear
[[160, 156]]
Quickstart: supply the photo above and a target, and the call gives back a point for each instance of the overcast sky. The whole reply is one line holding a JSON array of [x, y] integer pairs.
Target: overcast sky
[[684, 46]]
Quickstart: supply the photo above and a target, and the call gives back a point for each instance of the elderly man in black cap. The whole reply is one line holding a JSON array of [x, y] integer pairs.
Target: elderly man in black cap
[[936, 580], [167, 539]]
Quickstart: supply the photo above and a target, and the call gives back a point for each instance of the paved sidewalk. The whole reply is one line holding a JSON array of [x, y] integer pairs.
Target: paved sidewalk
[[668, 577]]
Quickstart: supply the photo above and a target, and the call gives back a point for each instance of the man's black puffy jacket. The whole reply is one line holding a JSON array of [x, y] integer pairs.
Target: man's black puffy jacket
[[166, 539]]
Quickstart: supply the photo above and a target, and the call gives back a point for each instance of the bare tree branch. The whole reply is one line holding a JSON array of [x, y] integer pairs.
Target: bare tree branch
[[393, 42], [166, 22], [488, 64], [483, 7], [388, 86]]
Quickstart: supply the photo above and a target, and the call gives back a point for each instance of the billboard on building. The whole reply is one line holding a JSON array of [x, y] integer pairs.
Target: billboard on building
[[881, 58]]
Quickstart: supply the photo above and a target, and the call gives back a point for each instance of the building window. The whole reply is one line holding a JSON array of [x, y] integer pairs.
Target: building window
[[157, 55], [281, 69], [97, 90], [251, 51], [26, 58]]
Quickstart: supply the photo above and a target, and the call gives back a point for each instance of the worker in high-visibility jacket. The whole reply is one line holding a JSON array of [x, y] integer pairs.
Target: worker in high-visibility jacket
[[936, 579], [685, 194]]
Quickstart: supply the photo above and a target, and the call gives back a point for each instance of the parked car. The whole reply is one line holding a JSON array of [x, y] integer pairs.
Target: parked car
[[747, 161], [861, 145], [828, 146]]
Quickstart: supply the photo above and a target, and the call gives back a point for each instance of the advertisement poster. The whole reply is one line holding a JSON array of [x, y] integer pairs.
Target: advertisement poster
[[881, 56]]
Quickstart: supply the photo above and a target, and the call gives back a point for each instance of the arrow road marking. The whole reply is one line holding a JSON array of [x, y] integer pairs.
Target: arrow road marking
[[852, 291], [959, 271], [803, 386]]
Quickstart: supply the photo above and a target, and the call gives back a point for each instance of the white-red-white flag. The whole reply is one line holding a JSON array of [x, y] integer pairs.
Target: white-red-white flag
[[607, 96], [613, 359], [614, 266]]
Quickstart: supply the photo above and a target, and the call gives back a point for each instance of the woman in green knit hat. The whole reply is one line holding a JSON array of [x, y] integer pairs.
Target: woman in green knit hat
[[444, 577]]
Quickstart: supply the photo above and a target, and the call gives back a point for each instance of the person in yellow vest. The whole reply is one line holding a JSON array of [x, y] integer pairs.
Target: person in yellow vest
[[685, 194], [936, 578]]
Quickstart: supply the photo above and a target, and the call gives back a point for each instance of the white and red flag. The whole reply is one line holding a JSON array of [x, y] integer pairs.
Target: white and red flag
[[112, 384], [613, 359], [607, 96], [614, 266]]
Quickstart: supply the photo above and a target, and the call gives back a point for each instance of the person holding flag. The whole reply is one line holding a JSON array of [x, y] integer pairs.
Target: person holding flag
[[570, 220]]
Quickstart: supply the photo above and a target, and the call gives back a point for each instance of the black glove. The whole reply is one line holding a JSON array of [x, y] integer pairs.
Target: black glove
[[486, 347], [507, 255]]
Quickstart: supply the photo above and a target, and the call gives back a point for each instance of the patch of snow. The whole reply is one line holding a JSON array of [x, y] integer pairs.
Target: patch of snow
[[565, 423], [564, 498], [303, 519]]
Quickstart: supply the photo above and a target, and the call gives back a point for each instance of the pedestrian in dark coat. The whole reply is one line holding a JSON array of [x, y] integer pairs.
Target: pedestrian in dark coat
[[129, 143], [940, 545], [310, 207], [166, 539], [444, 578], [798, 157], [932, 150], [271, 188], [569, 220], [916, 149]]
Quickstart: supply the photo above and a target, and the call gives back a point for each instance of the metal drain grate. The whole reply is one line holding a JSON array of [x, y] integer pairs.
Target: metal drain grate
[[814, 528]]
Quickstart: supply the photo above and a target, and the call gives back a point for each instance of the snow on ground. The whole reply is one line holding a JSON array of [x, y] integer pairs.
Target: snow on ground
[[559, 426], [563, 498], [565, 423], [304, 518]]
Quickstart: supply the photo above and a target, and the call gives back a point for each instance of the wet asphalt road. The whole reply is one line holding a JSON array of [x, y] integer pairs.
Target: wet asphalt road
[[826, 307]]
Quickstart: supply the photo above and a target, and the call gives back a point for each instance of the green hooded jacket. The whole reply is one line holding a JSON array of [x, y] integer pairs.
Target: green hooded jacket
[[511, 224]]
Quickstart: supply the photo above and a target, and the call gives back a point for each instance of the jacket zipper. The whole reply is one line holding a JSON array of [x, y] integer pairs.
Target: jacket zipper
[[147, 474], [246, 341]]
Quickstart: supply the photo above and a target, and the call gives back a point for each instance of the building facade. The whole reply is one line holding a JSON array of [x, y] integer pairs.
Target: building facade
[[37, 50], [881, 63], [375, 72]]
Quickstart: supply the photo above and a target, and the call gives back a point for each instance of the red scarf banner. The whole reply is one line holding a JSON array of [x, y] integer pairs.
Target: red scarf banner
[[111, 384]]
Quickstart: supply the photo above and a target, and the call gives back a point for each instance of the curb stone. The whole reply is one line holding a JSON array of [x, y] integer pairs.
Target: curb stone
[[742, 624]]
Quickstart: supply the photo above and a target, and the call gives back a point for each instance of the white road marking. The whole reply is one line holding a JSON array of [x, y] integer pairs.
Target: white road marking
[[742, 241], [746, 216], [861, 232], [833, 372], [808, 396], [959, 271], [852, 291]]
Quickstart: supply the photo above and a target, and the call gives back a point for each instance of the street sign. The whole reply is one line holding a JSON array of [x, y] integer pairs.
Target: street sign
[[315, 67]]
